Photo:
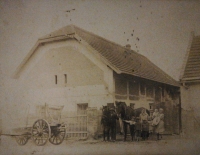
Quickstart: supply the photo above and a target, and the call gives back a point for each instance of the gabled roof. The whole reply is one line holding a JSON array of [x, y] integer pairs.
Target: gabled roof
[[117, 57], [191, 69]]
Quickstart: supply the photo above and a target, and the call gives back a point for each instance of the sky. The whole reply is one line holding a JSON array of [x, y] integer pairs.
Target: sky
[[160, 30]]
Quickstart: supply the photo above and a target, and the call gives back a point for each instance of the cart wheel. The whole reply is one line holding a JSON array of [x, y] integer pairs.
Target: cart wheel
[[57, 136], [40, 132], [21, 140]]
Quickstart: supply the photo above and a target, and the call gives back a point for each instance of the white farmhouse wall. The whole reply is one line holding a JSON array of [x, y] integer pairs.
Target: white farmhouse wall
[[195, 99], [89, 80], [190, 98], [190, 103]]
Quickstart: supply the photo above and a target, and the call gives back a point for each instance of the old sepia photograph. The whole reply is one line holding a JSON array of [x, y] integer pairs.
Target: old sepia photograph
[[99, 77]]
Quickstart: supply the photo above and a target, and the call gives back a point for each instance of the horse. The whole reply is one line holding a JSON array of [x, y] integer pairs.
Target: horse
[[105, 122], [126, 113]]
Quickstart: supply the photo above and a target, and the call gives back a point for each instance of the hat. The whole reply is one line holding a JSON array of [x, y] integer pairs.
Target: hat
[[112, 109]]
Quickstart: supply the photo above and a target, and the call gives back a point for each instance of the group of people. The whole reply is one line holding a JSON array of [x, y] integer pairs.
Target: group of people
[[140, 127], [146, 125]]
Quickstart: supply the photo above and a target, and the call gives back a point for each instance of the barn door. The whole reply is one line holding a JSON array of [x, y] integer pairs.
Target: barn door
[[167, 107], [176, 118]]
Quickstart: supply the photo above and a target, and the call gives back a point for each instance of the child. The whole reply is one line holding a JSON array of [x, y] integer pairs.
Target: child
[[132, 127], [155, 113], [145, 130], [138, 129]]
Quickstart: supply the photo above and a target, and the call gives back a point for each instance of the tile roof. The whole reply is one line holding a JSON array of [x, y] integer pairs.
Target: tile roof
[[119, 58], [192, 66]]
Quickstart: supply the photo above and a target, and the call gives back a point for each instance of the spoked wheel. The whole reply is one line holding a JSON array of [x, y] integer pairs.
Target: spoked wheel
[[57, 135], [22, 140], [40, 132]]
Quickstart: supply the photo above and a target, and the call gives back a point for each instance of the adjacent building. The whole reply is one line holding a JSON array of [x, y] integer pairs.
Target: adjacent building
[[190, 89]]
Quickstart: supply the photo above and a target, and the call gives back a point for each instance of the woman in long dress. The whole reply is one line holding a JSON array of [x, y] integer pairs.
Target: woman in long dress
[[159, 129]]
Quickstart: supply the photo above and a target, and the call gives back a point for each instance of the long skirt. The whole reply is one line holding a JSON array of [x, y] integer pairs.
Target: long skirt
[[121, 125], [160, 127]]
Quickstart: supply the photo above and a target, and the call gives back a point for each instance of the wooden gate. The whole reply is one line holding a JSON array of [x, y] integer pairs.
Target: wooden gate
[[76, 125]]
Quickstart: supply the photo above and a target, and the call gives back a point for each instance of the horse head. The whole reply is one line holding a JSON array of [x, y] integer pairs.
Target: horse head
[[121, 109]]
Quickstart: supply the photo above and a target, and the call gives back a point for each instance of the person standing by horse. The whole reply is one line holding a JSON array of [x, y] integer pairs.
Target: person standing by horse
[[126, 113], [113, 118], [105, 122], [159, 129]]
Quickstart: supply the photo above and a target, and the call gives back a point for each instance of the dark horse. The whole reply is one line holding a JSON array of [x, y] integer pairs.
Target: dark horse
[[126, 113], [105, 122]]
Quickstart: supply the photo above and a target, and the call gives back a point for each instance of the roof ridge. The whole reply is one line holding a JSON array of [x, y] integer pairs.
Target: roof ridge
[[186, 55], [52, 34], [121, 46]]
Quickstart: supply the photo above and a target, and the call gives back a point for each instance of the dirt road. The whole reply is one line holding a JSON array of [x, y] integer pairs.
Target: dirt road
[[97, 147]]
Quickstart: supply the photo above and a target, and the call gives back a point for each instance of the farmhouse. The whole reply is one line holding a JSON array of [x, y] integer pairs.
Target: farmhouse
[[190, 89], [78, 69]]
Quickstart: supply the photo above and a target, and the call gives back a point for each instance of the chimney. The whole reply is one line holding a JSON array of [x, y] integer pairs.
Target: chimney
[[128, 46]]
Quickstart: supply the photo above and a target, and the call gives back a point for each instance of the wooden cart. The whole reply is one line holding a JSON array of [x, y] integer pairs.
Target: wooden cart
[[46, 129]]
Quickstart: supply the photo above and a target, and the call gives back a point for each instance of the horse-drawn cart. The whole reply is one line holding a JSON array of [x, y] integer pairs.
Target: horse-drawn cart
[[45, 129]]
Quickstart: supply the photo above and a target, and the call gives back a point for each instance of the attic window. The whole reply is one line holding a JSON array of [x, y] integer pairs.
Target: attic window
[[65, 78], [56, 79]]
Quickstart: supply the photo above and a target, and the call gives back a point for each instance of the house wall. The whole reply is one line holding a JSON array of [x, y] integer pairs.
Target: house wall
[[190, 100], [89, 80]]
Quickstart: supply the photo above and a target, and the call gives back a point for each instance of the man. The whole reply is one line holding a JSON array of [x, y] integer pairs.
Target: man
[[113, 118]]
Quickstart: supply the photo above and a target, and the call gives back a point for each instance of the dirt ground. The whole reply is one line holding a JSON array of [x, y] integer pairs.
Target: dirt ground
[[168, 145]]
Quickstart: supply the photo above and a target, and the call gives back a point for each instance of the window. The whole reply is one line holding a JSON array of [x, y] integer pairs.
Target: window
[[65, 78], [149, 91], [133, 90], [142, 88], [81, 108], [56, 79], [158, 94], [163, 92], [120, 89]]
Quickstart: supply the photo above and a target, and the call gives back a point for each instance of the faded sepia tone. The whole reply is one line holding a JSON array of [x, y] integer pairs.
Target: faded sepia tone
[[63, 61]]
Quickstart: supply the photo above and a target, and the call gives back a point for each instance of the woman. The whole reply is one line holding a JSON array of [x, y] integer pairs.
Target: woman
[[159, 129], [143, 116]]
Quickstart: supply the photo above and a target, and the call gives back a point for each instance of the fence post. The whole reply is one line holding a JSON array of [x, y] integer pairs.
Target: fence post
[[92, 122]]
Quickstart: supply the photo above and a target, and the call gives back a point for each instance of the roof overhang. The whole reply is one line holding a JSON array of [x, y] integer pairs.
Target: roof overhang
[[190, 80]]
